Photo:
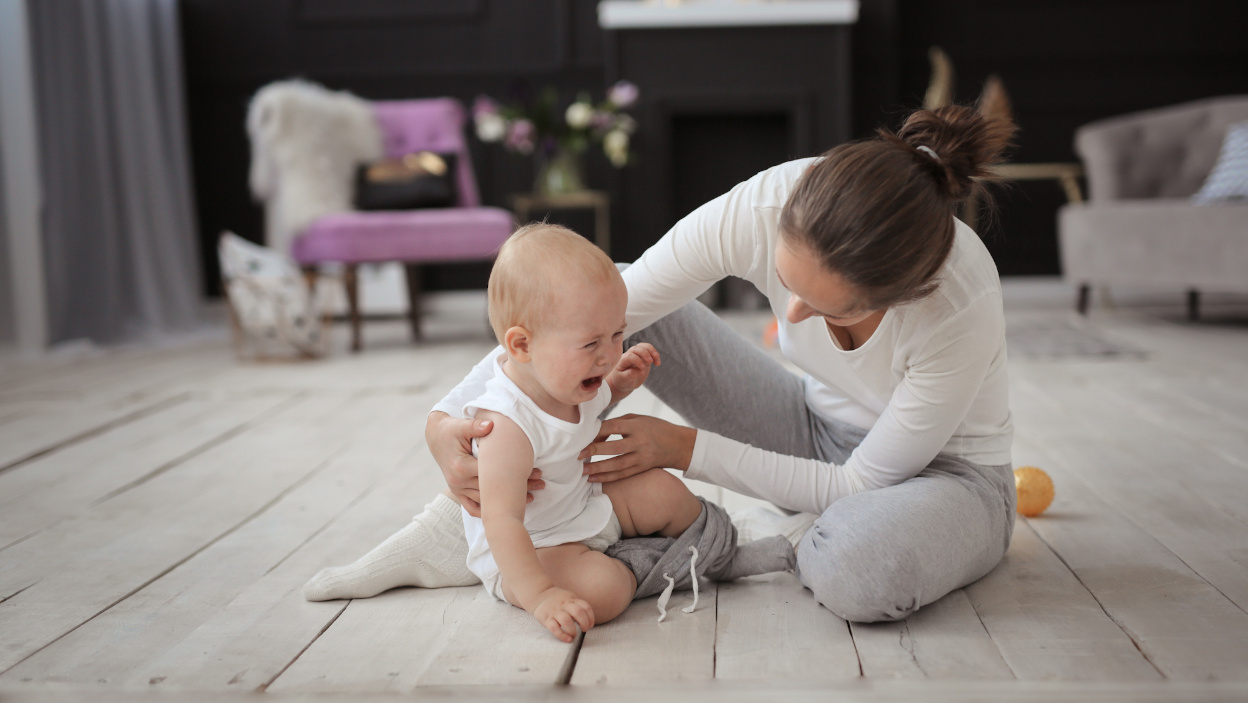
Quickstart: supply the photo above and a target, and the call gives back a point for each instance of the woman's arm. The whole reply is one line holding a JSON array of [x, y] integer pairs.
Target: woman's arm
[[795, 483], [933, 399], [648, 442], [505, 457], [925, 410], [449, 436], [728, 236], [682, 265]]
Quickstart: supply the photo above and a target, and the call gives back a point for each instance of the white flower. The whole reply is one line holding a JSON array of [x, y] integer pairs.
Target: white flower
[[579, 115], [491, 127], [623, 94], [521, 136], [626, 123], [615, 144]]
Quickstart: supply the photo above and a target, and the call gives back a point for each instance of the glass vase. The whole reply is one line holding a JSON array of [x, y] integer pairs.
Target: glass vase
[[558, 173]]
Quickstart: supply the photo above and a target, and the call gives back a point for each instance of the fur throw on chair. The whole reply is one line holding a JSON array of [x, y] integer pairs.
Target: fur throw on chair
[[306, 142]]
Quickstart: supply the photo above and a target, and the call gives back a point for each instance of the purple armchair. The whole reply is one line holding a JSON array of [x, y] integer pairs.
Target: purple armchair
[[466, 232]]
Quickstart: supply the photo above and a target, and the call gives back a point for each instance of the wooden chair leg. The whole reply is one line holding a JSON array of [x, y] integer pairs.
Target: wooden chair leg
[[1193, 305], [414, 284], [310, 276], [1085, 295], [351, 282]]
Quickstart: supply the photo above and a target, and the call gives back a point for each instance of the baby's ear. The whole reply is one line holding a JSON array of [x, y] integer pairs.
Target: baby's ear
[[517, 341]]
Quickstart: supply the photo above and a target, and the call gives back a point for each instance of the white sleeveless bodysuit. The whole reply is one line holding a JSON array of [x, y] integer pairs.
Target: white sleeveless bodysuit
[[569, 508]]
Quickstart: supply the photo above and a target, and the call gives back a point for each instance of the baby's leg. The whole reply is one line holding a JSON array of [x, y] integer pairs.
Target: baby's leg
[[653, 502], [605, 583], [430, 552]]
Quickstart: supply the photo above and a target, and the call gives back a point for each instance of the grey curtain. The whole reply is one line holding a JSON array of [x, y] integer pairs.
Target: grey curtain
[[8, 317], [119, 239]]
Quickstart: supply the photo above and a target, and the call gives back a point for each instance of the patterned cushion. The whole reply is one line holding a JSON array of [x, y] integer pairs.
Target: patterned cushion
[[1229, 178], [267, 294]]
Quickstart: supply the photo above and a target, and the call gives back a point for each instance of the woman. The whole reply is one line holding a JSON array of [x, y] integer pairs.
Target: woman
[[898, 437]]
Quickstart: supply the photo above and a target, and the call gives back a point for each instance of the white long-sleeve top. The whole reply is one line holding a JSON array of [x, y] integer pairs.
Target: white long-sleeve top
[[931, 379]]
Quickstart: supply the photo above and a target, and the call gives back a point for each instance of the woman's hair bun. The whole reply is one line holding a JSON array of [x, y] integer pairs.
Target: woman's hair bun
[[967, 141]]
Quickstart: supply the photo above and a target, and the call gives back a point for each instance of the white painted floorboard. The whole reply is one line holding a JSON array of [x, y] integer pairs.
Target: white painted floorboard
[[160, 510]]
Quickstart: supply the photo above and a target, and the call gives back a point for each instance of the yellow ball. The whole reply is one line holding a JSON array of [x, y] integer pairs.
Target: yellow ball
[[1035, 490]]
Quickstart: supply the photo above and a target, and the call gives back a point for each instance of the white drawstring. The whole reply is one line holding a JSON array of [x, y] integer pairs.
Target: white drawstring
[[693, 574], [667, 593], [671, 586]]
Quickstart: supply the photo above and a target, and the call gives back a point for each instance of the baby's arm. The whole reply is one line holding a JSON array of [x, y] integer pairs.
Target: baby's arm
[[505, 458], [632, 370]]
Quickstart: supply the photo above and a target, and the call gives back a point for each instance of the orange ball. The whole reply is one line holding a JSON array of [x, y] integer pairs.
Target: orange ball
[[771, 335], [1035, 490]]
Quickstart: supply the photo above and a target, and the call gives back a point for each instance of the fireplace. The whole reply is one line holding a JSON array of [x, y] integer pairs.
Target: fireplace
[[721, 101]]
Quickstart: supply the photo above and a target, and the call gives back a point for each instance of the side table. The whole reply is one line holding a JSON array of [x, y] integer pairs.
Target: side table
[[1066, 174], [525, 204]]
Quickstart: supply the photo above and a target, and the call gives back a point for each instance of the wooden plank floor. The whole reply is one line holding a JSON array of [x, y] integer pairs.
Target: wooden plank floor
[[160, 509]]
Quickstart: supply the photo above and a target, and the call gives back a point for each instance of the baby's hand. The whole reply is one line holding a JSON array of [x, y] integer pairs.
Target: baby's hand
[[634, 368], [561, 611]]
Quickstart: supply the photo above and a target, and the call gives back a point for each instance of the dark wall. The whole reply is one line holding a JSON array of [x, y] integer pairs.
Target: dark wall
[[720, 105], [378, 49], [1064, 62]]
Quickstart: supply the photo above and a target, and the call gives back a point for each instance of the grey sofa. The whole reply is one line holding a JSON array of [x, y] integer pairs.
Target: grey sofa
[[1139, 227]]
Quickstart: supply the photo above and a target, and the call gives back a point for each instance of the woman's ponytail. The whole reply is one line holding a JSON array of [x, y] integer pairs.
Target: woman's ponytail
[[966, 142]]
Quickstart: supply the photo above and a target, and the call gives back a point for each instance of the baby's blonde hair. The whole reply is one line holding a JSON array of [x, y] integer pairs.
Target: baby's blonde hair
[[531, 268]]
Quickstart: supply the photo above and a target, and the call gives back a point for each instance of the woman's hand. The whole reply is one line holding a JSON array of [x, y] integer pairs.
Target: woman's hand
[[645, 443], [450, 443]]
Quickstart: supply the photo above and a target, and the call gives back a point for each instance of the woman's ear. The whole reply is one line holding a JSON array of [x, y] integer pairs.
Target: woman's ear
[[517, 341]]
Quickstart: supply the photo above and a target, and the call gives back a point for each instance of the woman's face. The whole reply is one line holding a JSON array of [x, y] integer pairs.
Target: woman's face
[[814, 290]]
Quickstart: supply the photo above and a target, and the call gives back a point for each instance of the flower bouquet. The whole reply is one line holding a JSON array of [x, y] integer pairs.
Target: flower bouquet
[[556, 138]]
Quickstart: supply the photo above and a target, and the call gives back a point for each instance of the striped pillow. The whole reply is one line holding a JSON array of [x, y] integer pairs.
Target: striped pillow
[[1229, 178]]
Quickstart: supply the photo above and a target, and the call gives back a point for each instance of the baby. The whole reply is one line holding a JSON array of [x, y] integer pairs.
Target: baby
[[556, 303]]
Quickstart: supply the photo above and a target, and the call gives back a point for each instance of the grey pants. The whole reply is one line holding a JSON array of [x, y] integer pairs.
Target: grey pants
[[872, 556]]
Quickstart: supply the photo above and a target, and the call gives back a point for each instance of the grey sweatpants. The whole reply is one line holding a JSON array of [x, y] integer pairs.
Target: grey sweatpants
[[876, 555]]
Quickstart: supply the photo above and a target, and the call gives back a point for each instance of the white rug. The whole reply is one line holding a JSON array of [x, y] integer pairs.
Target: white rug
[[1041, 339]]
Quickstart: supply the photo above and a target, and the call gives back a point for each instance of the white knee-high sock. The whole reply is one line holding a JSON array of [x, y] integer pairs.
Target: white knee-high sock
[[759, 523], [429, 552]]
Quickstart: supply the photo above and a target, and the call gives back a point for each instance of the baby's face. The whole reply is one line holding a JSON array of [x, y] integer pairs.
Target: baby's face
[[572, 354]]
